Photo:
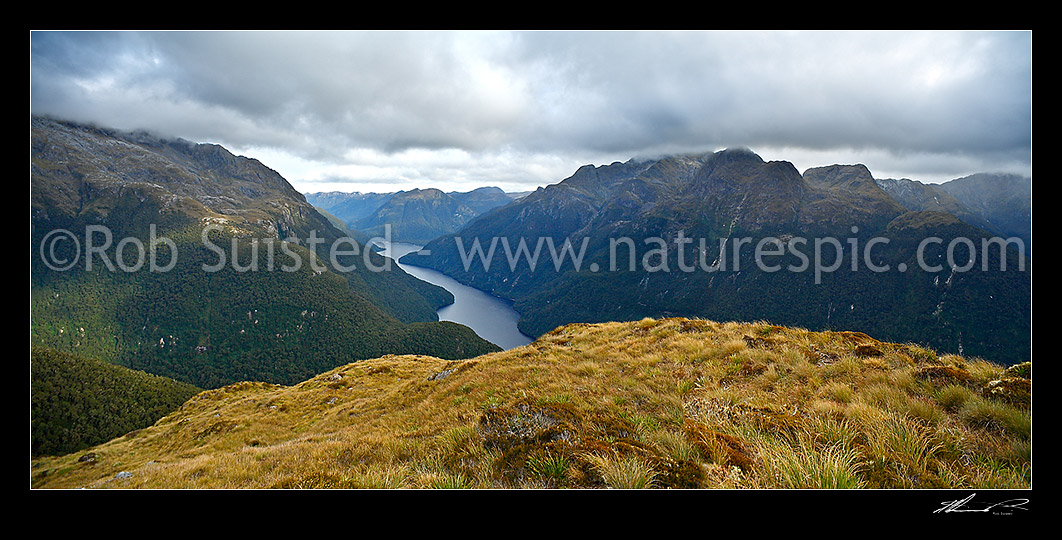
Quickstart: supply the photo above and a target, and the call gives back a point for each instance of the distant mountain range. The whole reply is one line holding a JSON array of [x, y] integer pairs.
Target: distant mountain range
[[699, 210], [998, 203], [348, 207], [415, 216], [256, 291]]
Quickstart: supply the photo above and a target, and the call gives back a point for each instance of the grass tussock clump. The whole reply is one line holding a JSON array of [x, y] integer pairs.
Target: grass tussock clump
[[657, 404], [623, 471], [804, 467]]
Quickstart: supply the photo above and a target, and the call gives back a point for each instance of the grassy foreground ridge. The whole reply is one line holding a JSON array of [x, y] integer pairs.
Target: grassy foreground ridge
[[670, 403]]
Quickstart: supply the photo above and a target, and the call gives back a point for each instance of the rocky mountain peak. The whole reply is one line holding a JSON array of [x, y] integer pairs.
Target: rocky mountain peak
[[845, 176]]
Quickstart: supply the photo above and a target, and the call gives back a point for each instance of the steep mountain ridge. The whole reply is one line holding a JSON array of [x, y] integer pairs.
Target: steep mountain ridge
[[738, 186], [81, 173], [852, 197], [984, 192], [256, 288], [916, 196], [482, 200], [685, 221], [999, 203]]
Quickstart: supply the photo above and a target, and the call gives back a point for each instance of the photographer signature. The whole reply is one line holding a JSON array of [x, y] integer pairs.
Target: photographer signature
[[960, 505]]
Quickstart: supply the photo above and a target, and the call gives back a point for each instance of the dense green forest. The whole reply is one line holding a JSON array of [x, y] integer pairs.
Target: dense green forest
[[212, 328], [78, 402]]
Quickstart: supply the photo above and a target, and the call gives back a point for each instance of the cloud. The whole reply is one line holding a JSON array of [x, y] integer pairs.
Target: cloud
[[530, 107]]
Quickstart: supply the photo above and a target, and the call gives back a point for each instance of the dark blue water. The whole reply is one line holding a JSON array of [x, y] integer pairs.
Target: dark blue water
[[492, 318]]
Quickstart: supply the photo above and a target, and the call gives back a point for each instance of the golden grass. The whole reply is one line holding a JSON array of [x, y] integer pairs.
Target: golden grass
[[647, 404]]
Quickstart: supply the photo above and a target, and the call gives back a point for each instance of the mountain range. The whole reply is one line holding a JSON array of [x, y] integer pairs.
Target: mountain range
[[998, 203], [210, 268], [677, 236], [415, 216], [166, 365]]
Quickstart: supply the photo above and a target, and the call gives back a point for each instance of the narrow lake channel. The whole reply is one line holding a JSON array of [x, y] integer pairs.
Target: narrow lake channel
[[492, 318]]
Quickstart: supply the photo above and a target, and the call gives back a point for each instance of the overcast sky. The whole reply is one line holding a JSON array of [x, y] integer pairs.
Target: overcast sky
[[384, 111]]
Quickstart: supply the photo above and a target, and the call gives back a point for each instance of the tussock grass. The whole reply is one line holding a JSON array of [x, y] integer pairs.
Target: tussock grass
[[981, 412], [675, 445], [656, 403], [899, 451], [832, 467], [953, 397], [388, 477], [623, 472], [553, 469], [838, 391]]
